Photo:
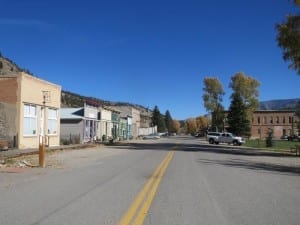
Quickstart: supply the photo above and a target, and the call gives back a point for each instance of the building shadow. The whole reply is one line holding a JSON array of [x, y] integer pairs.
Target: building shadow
[[205, 148], [254, 165]]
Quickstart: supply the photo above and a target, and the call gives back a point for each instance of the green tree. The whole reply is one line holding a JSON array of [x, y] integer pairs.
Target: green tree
[[247, 88], [158, 120], [168, 121], [218, 118], [237, 119], [213, 97], [288, 39]]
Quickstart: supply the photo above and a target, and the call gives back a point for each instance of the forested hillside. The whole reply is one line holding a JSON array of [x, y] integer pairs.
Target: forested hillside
[[279, 104]]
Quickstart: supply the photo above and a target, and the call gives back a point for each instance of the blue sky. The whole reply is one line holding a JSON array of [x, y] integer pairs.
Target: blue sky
[[149, 52]]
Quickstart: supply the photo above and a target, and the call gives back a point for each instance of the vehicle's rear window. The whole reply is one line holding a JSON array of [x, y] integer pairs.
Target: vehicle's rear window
[[214, 134]]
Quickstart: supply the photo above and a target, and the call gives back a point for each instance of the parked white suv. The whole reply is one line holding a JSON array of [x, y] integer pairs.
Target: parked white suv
[[225, 137]]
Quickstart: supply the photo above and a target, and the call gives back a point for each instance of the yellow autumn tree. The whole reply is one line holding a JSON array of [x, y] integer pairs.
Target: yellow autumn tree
[[191, 126], [175, 126], [202, 122]]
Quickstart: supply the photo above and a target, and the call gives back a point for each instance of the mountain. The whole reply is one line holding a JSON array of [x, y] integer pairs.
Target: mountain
[[8, 67], [69, 99], [280, 104]]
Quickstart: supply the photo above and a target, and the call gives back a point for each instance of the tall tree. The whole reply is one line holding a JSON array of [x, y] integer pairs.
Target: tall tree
[[247, 88], [218, 118], [175, 126], [212, 97], [158, 120], [168, 121], [191, 126], [237, 119], [288, 39], [202, 122]]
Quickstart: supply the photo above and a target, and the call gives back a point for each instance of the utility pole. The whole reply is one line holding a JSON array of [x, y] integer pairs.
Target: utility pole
[[42, 152]]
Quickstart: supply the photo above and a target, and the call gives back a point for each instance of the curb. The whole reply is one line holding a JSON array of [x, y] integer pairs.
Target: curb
[[14, 153]]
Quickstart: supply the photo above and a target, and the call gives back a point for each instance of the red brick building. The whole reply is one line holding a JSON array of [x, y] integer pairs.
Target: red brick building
[[281, 122]]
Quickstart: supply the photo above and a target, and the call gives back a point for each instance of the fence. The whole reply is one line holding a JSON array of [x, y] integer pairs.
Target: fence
[[147, 131]]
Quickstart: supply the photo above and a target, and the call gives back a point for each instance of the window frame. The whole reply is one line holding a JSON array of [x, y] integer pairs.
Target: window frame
[[52, 119], [31, 117]]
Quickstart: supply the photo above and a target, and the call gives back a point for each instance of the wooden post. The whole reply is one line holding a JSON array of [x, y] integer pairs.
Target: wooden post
[[42, 162]]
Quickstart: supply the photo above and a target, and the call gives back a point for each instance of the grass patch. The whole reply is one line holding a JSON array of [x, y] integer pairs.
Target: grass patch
[[278, 144], [10, 161]]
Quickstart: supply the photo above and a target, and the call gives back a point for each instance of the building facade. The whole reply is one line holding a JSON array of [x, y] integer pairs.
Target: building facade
[[145, 118], [72, 125], [134, 116], [91, 122], [280, 122], [29, 111], [80, 124], [105, 124]]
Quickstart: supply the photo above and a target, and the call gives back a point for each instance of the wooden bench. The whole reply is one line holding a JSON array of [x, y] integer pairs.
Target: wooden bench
[[296, 149]]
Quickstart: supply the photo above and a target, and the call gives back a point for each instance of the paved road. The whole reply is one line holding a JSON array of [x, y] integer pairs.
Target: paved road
[[168, 181]]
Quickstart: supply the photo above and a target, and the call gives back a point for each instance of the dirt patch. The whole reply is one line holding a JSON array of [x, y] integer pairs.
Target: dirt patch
[[31, 161]]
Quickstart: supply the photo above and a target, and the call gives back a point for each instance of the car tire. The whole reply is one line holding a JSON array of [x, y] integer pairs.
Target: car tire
[[211, 141]]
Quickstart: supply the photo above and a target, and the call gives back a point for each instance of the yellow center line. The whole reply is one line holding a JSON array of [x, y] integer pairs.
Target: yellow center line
[[150, 188], [145, 208]]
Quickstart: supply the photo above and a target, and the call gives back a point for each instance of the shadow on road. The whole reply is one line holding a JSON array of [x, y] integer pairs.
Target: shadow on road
[[252, 165], [206, 148], [221, 149]]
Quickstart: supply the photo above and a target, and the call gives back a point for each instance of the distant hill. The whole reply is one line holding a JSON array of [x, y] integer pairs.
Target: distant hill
[[8, 67], [282, 104], [69, 99]]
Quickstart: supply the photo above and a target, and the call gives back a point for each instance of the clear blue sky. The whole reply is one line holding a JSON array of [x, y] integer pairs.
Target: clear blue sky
[[149, 52]]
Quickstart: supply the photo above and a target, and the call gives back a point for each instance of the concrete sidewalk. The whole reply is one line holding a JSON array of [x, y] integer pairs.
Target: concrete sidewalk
[[12, 153]]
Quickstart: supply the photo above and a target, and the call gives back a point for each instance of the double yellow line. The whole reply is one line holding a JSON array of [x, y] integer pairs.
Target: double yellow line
[[138, 210]]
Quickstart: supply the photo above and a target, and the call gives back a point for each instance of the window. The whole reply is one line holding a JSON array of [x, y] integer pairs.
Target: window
[[87, 129], [258, 120], [277, 119], [52, 121], [271, 119], [283, 120], [29, 126]]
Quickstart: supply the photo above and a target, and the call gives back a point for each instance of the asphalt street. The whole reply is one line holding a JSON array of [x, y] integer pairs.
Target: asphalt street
[[168, 181]]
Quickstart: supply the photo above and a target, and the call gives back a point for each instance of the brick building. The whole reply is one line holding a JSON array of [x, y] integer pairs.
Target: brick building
[[281, 122], [24, 118]]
